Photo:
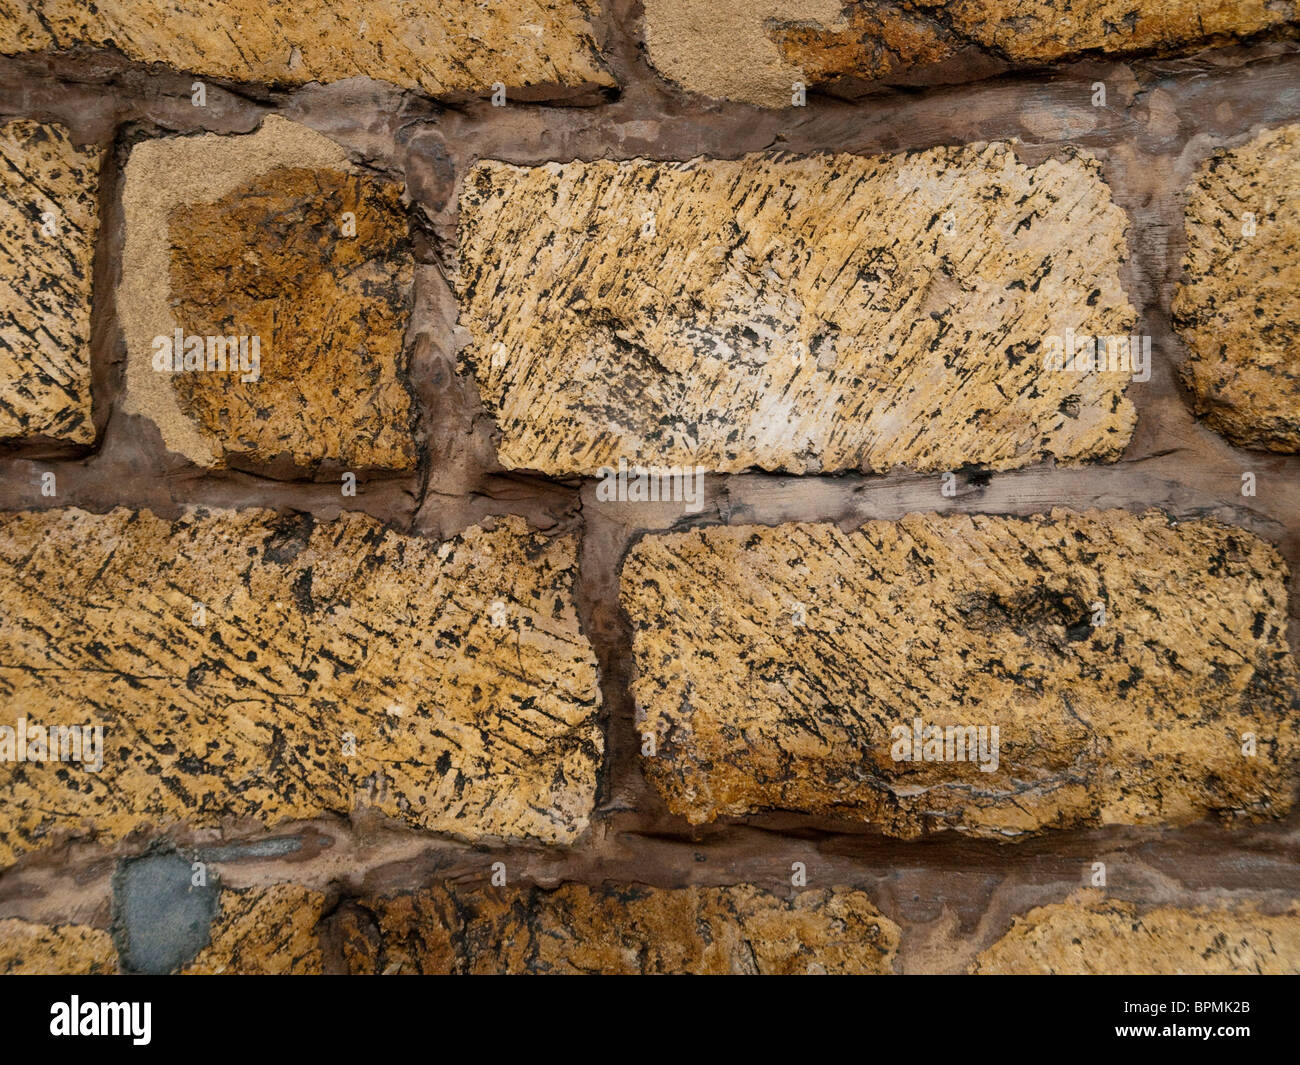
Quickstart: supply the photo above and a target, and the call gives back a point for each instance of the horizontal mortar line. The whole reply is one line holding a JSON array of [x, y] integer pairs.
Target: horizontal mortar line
[[802, 134], [738, 490], [595, 864], [731, 116]]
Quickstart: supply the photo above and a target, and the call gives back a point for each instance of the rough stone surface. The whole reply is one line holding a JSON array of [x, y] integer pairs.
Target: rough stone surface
[[458, 670], [249, 234], [1092, 935], [49, 217], [264, 932], [804, 314], [436, 48], [755, 51], [31, 949], [1238, 309], [966, 621], [375, 890], [618, 929]]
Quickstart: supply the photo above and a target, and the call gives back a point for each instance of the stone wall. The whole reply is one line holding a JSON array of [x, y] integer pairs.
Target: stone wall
[[649, 486]]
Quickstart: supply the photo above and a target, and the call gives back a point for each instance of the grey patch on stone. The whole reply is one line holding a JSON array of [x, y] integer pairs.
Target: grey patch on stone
[[243, 852], [161, 921]]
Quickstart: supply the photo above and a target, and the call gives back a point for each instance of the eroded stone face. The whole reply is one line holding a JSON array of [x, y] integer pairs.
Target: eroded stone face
[[1238, 308], [31, 949], [1092, 935], [265, 932], [796, 666], [329, 311], [49, 217], [803, 314], [245, 666], [276, 260], [436, 48], [448, 928], [755, 52]]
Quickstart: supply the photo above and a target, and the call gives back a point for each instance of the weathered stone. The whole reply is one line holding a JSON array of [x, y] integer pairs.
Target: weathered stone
[[448, 928], [535, 45], [266, 932], [1238, 308], [774, 665], [248, 666], [275, 238], [49, 216], [803, 314], [30, 949], [756, 52], [1092, 935]]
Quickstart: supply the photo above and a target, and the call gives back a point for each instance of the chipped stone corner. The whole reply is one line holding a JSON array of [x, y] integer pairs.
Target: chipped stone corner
[[162, 175]]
